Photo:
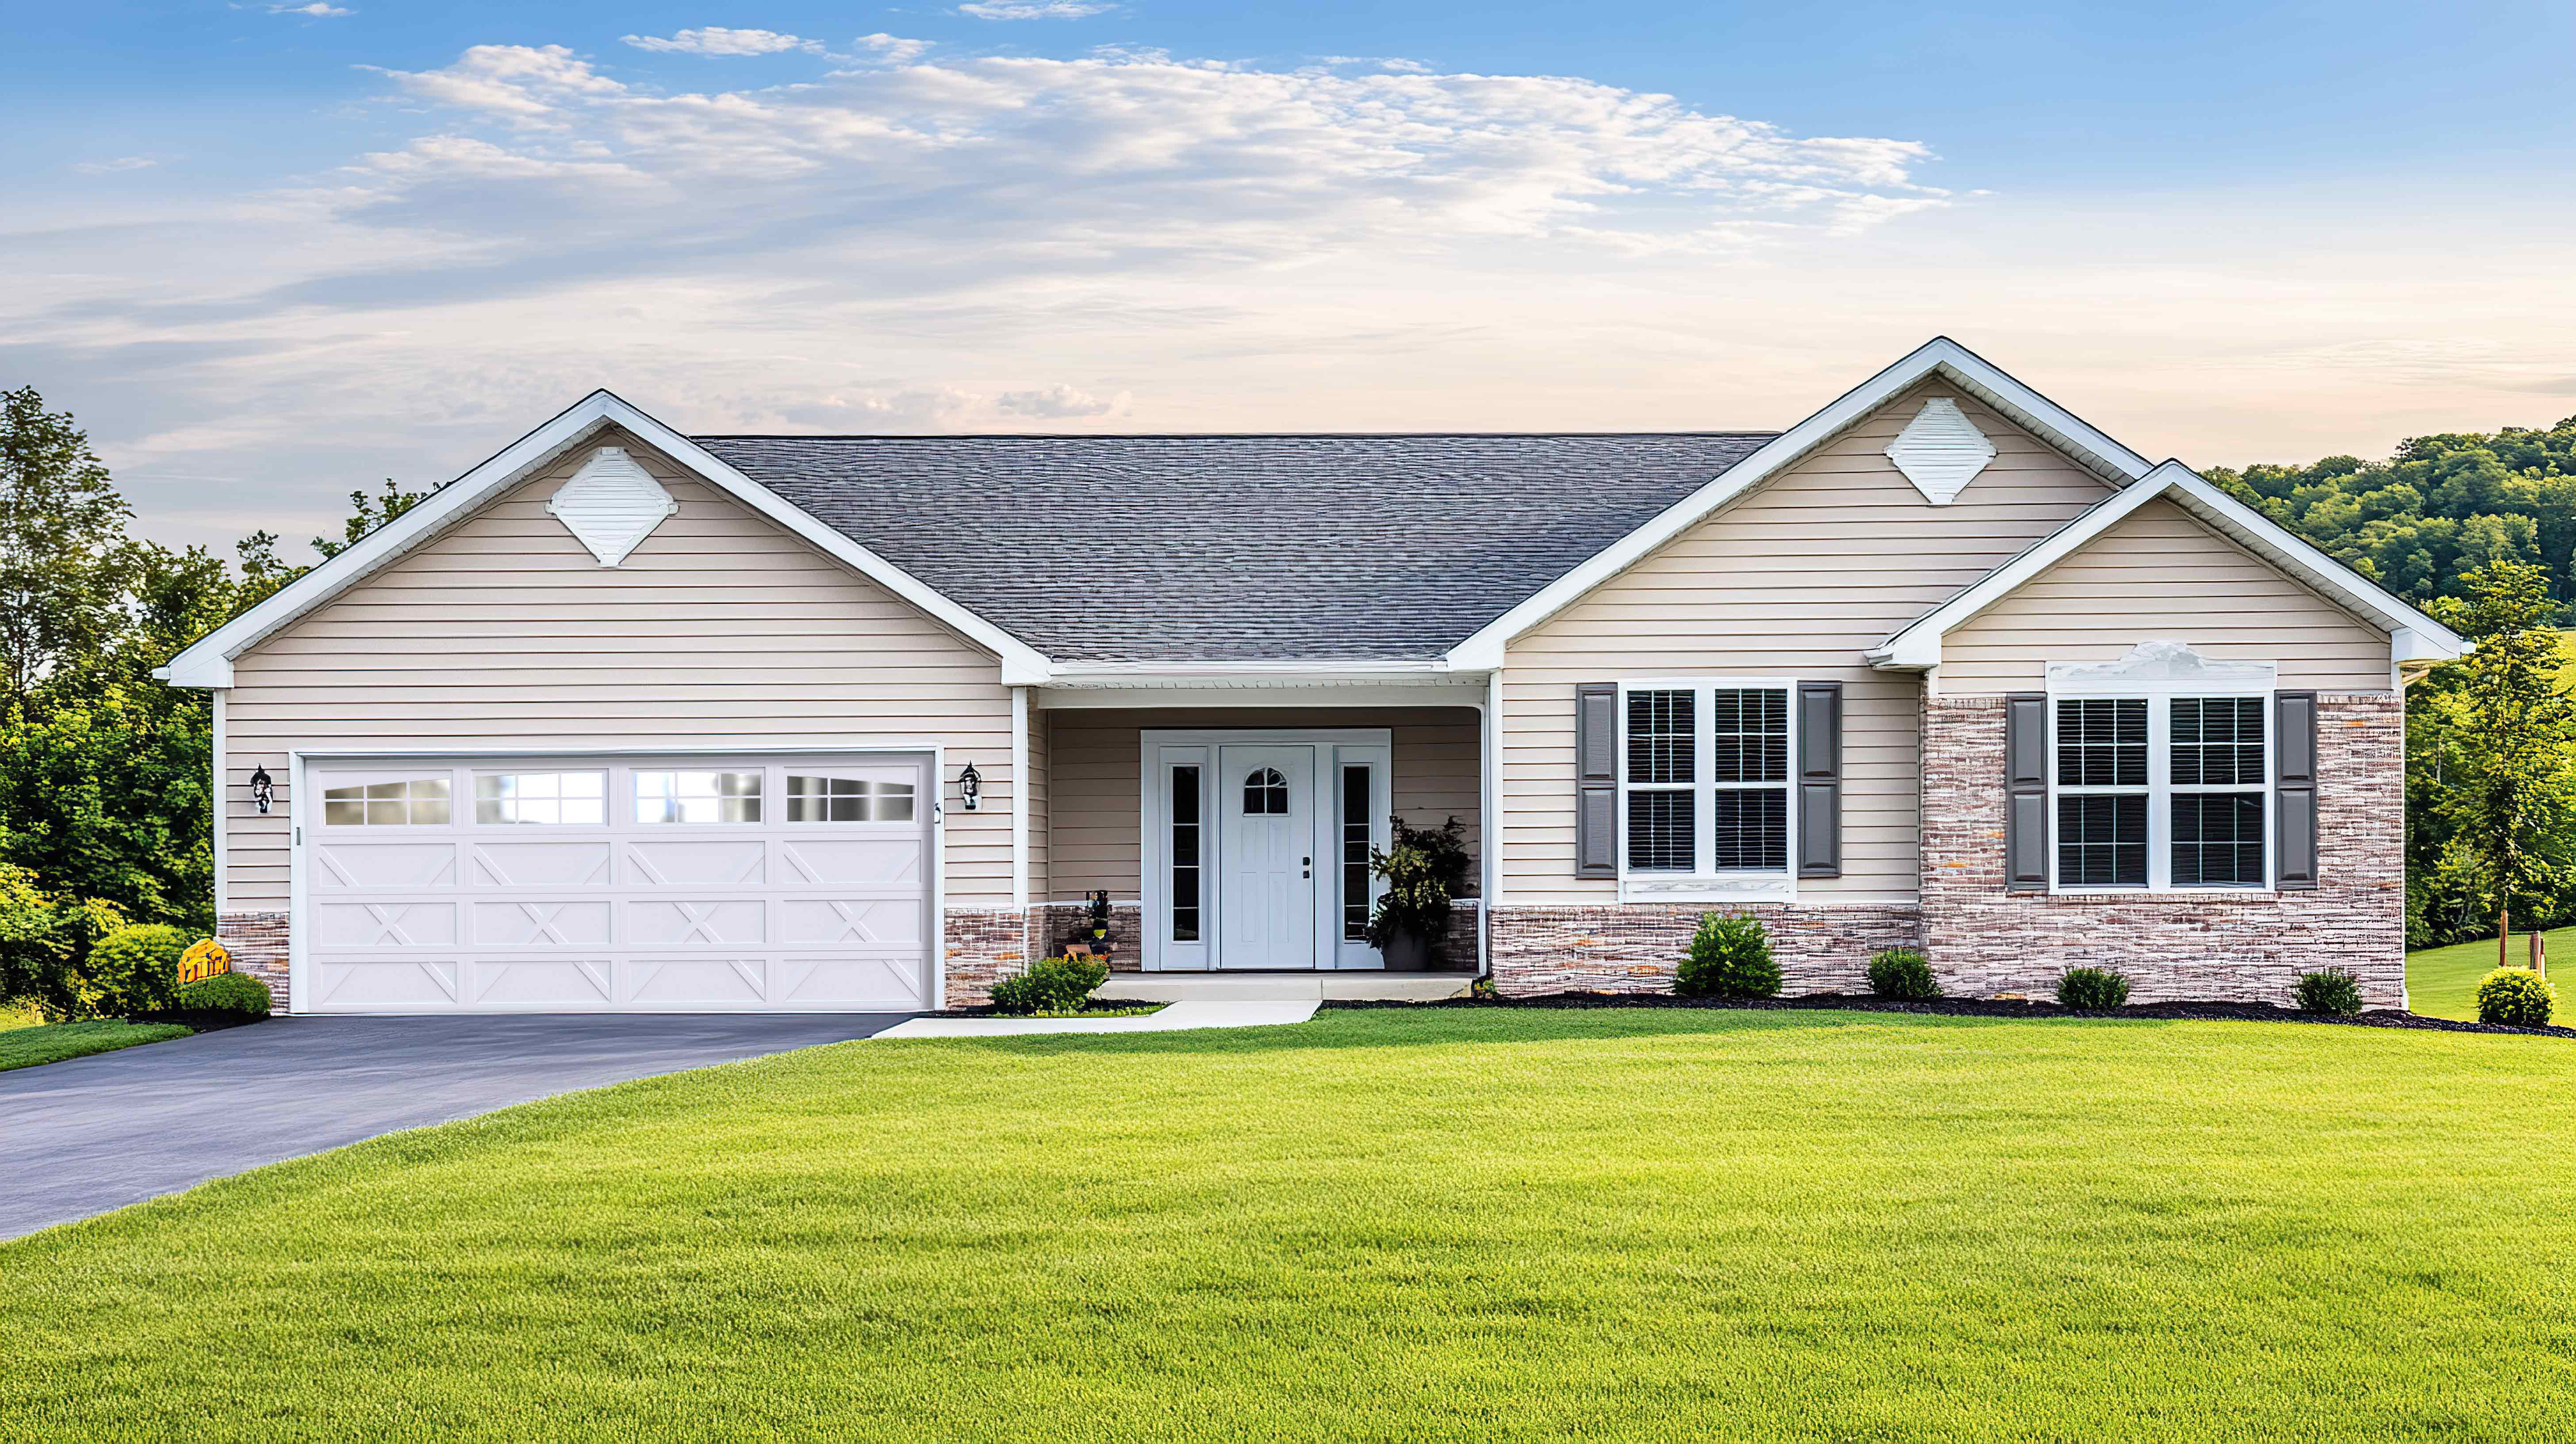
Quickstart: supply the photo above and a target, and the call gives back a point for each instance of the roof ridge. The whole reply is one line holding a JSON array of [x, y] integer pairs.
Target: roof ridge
[[1219, 435]]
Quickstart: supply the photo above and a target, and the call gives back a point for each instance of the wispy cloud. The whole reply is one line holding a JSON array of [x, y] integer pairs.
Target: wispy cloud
[[110, 167], [715, 40], [1033, 9], [922, 242], [1395, 63], [318, 10], [892, 49]]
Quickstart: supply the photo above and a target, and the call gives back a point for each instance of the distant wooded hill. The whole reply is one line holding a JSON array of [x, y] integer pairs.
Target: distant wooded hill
[[2438, 509]]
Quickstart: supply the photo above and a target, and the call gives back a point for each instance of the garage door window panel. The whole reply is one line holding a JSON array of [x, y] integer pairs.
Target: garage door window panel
[[406, 802], [697, 799], [541, 799], [813, 798]]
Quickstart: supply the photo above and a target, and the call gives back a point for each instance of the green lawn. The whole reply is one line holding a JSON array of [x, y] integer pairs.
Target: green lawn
[[1385, 1225], [2443, 982], [27, 1046]]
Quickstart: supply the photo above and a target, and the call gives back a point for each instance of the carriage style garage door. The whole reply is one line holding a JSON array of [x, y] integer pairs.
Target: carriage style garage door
[[632, 884]]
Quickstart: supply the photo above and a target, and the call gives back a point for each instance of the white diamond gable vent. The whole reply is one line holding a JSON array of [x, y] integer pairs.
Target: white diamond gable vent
[[611, 504], [1940, 451]]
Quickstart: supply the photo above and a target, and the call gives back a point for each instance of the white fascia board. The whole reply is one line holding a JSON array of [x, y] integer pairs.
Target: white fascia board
[[208, 662], [2412, 635], [1981, 378]]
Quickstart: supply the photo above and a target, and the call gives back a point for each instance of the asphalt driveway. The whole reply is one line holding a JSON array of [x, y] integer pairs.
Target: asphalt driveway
[[95, 1133]]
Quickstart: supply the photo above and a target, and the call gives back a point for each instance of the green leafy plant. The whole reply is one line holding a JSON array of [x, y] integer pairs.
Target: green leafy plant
[[1904, 974], [223, 993], [2093, 989], [1730, 957], [2517, 996], [2328, 990], [1424, 869], [137, 968], [45, 943], [1051, 985]]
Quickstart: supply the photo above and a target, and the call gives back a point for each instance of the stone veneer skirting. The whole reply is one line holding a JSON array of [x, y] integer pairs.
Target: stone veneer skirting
[[1636, 947], [257, 942]]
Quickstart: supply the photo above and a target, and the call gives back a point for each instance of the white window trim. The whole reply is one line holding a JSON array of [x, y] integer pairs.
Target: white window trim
[[2159, 693], [1704, 883]]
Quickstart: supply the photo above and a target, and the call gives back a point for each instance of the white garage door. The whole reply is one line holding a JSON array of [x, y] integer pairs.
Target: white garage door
[[645, 884]]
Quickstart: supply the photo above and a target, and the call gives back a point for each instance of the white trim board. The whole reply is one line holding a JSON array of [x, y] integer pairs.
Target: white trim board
[[2413, 636], [209, 662], [2098, 453]]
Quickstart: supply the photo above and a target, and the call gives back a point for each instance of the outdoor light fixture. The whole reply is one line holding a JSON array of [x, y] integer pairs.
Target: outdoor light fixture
[[263, 789], [970, 786]]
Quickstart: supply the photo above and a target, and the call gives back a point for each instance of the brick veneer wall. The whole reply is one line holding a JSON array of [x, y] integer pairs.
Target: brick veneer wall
[[1635, 947], [1984, 941], [257, 942]]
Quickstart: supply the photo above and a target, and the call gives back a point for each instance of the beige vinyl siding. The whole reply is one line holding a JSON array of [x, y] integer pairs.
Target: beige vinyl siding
[[2159, 575], [1095, 784], [1039, 809], [721, 630], [1794, 581]]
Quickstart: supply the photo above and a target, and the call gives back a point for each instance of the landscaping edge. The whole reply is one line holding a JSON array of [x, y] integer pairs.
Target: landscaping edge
[[1967, 1008]]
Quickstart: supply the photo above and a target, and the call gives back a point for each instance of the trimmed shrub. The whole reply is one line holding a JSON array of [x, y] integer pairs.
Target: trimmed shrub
[[2092, 989], [2517, 996], [1902, 974], [1729, 958], [1051, 985], [2328, 990], [223, 993], [137, 968]]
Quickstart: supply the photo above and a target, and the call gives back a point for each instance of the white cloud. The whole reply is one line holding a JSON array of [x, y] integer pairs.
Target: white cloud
[[318, 10], [110, 167], [715, 40], [1060, 402], [892, 49], [1395, 63], [1033, 9]]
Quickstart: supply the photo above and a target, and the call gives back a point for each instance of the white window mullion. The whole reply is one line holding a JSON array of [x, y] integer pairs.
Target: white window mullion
[[2159, 793], [1703, 783]]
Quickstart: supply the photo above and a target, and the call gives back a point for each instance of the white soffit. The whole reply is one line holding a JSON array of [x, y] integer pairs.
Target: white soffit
[[611, 504], [1940, 451]]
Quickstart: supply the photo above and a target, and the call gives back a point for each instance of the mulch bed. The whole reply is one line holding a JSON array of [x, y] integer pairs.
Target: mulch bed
[[1091, 1008], [1966, 1008]]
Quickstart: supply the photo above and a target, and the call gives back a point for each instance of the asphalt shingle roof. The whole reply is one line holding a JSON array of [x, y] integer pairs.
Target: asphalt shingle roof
[[1172, 548]]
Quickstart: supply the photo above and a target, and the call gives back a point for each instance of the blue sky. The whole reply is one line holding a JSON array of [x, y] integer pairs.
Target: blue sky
[[269, 254]]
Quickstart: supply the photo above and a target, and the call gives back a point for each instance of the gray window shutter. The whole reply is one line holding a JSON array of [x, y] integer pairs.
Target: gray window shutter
[[2026, 792], [1820, 779], [1596, 753], [2294, 751]]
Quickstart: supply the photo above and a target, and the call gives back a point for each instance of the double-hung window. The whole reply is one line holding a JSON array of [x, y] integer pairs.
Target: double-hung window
[[1704, 775], [2161, 792]]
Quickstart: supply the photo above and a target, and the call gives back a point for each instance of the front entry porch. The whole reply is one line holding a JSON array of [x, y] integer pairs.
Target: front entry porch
[[1252, 987], [1234, 842]]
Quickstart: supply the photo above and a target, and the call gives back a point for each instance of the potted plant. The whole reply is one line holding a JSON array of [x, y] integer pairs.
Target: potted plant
[[1100, 926], [1424, 868]]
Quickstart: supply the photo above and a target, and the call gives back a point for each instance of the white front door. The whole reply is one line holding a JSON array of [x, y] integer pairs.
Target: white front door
[[1266, 895]]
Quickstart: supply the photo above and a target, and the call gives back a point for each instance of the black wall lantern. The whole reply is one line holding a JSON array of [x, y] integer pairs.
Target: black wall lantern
[[970, 787], [263, 789]]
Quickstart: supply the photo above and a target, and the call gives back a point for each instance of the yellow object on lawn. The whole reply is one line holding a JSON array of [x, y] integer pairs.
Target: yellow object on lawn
[[204, 961]]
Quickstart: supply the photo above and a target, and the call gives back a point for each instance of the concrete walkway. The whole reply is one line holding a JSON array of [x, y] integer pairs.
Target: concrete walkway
[[96, 1133], [1172, 1019]]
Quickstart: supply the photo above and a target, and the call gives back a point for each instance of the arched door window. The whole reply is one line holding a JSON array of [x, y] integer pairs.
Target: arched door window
[[1265, 793]]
